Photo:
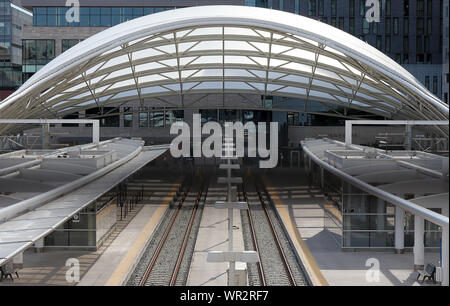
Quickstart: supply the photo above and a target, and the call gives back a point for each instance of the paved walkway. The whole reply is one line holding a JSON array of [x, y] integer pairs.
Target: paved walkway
[[306, 207], [213, 236], [49, 268]]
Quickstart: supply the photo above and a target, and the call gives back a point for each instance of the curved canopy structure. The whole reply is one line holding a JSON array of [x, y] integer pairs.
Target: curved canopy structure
[[175, 58]]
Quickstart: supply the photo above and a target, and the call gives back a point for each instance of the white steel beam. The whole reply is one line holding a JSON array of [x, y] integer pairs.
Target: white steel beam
[[350, 123], [95, 124]]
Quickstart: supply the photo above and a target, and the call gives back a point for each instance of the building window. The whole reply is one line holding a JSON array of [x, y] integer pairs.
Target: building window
[[128, 117], [156, 119], [420, 58], [430, 8], [406, 26], [333, 8], [420, 9], [36, 53], [379, 42], [351, 25], [419, 45], [112, 119], [174, 116], [427, 44], [365, 27], [281, 5], [435, 85], [406, 58], [362, 8], [395, 26], [293, 119], [321, 7], [387, 43], [429, 26], [297, 7], [388, 8], [374, 26], [311, 7], [68, 43], [427, 82], [351, 8], [91, 16], [143, 119], [387, 26], [333, 21], [406, 44], [420, 26], [405, 7], [341, 23]]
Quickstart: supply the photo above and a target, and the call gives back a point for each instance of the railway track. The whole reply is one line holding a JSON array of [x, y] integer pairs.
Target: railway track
[[167, 258], [264, 234]]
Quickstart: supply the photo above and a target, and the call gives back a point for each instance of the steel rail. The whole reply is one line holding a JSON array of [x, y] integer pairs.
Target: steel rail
[[155, 256], [277, 240], [262, 276], [174, 277]]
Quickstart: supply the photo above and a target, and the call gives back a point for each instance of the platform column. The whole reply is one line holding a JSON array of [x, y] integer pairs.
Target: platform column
[[39, 246], [399, 230], [18, 261], [408, 139], [45, 136], [322, 178], [445, 263], [419, 249]]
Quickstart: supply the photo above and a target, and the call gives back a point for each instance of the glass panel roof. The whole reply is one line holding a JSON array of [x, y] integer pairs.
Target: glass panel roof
[[267, 54]]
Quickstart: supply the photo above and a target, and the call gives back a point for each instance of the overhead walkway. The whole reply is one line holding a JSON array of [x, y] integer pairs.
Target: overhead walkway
[[388, 185], [36, 200]]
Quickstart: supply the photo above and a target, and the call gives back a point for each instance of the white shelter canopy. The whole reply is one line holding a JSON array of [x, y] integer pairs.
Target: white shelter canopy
[[169, 56]]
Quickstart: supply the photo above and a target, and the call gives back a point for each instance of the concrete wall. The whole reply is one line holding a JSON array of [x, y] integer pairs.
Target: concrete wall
[[59, 33]]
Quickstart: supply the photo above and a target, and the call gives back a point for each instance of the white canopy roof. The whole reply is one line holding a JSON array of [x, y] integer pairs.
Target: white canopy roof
[[168, 57]]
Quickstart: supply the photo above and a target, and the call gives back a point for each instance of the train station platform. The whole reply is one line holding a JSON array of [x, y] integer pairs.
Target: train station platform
[[213, 236], [306, 206], [49, 268]]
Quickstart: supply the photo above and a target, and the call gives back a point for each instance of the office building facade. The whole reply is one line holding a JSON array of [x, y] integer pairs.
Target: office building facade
[[13, 18]]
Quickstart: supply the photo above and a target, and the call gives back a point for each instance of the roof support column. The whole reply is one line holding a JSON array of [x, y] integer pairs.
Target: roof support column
[[39, 246], [408, 137], [18, 261], [444, 264], [399, 230], [348, 133], [419, 249], [45, 136], [96, 131]]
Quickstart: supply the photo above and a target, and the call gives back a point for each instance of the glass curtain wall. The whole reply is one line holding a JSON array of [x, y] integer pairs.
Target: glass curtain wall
[[367, 221], [91, 16]]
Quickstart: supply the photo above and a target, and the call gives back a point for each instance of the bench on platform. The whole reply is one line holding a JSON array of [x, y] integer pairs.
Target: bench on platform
[[429, 272]]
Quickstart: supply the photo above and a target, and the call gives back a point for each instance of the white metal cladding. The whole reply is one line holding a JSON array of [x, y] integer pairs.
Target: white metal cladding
[[222, 50]]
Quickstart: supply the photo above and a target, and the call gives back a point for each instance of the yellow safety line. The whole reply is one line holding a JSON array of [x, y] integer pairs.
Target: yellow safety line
[[333, 211], [125, 265], [302, 249], [106, 210]]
